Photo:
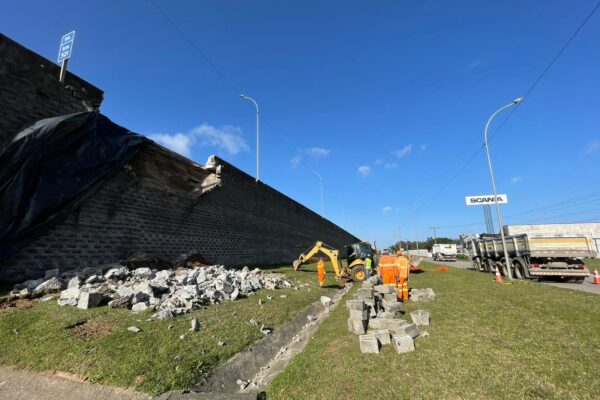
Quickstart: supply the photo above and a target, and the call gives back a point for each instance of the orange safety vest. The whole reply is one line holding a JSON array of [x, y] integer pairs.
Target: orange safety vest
[[394, 271]]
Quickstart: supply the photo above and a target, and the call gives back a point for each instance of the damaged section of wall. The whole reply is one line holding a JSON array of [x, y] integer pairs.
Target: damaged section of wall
[[165, 205], [31, 90], [160, 203]]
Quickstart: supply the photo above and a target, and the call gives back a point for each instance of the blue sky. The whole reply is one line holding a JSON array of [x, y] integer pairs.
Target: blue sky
[[386, 100]]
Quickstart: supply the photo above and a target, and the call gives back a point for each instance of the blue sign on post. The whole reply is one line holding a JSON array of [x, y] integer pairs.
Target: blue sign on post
[[66, 46]]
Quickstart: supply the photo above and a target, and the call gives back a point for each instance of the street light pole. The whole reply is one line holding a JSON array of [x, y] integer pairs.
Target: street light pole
[[257, 152], [321, 182], [487, 150]]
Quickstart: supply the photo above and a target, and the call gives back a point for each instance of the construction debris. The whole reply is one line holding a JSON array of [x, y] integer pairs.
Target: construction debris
[[169, 292], [134, 329]]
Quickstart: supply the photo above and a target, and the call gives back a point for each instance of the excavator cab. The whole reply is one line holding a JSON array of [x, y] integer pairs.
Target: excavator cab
[[358, 251]]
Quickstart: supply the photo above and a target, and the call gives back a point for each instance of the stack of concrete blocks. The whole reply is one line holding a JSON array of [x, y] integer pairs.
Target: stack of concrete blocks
[[376, 315]]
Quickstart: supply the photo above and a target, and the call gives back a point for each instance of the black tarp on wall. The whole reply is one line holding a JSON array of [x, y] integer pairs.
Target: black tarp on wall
[[51, 167]]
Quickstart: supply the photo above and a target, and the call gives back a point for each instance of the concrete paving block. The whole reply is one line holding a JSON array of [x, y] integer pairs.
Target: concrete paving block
[[383, 335], [377, 323], [366, 293], [430, 293], [403, 343], [383, 289], [411, 330], [359, 314], [393, 307], [355, 305], [368, 344], [89, 300], [396, 325], [420, 317], [390, 297], [359, 326], [367, 285]]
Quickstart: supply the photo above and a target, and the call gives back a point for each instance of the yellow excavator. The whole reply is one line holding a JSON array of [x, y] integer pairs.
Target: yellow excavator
[[355, 253]]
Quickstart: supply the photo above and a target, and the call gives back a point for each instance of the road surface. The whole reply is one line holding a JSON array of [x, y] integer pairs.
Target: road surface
[[587, 286]]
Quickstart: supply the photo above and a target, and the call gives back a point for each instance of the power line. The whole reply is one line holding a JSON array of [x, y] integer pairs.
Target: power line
[[235, 89], [527, 93]]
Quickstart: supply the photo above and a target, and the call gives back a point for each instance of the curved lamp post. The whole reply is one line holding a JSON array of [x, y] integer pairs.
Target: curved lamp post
[[487, 150]]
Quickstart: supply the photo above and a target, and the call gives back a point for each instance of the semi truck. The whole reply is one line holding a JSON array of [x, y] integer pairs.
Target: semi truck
[[533, 254], [444, 252]]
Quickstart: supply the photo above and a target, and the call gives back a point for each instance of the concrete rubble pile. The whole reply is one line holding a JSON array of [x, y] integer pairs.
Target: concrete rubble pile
[[376, 317], [169, 292]]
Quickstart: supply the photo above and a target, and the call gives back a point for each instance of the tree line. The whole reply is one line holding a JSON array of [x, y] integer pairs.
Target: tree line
[[426, 244]]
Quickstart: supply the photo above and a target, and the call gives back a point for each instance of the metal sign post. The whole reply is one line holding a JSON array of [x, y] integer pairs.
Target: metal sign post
[[64, 53]]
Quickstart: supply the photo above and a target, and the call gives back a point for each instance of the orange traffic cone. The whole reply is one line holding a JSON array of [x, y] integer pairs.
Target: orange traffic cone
[[498, 276], [596, 277]]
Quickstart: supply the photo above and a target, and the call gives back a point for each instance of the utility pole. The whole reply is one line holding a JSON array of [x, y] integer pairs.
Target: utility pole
[[487, 150], [434, 235]]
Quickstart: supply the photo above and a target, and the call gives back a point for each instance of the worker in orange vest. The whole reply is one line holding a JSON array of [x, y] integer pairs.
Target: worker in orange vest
[[403, 267], [321, 272]]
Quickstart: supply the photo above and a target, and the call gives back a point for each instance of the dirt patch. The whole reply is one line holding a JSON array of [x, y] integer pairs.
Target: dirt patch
[[17, 304], [91, 329]]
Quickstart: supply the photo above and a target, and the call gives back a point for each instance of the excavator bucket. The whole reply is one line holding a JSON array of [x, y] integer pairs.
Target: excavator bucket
[[297, 264]]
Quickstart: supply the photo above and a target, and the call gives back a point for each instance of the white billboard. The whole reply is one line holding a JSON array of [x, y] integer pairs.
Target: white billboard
[[485, 199]]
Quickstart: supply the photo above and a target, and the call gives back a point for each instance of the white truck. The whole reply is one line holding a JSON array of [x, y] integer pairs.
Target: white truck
[[444, 252], [533, 254]]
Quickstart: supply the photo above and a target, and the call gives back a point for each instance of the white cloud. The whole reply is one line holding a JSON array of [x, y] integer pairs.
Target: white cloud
[[379, 161], [592, 147], [179, 142], [403, 152], [317, 152], [228, 138], [423, 147], [387, 209], [364, 170], [390, 165], [516, 179], [314, 152]]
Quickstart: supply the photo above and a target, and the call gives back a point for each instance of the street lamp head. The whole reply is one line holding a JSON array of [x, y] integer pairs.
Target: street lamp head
[[242, 96], [518, 100]]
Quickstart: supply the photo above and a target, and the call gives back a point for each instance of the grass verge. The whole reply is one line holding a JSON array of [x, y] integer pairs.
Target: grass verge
[[96, 345], [488, 341]]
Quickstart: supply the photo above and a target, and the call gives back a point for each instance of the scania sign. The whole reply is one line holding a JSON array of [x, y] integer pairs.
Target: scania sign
[[487, 199]]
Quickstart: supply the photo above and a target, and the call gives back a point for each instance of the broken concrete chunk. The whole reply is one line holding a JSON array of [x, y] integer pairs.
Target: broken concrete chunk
[[141, 306], [403, 343], [163, 315], [368, 344], [420, 317], [51, 285], [377, 323], [74, 282], [89, 300], [134, 329], [144, 273], [364, 293], [121, 302], [265, 331], [195, 325], [326, 301], [392, 306]]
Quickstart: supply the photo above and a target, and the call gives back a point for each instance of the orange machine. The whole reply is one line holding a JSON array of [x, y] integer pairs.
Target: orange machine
[[394, 271]]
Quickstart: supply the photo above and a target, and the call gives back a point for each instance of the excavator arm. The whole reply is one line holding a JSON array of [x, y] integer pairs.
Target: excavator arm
[[330, 252]]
